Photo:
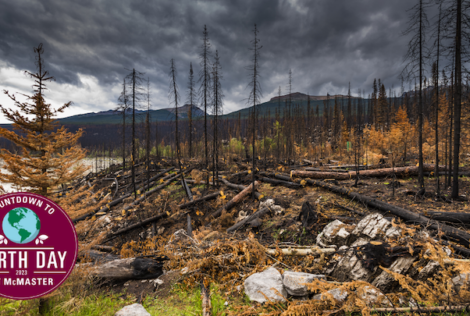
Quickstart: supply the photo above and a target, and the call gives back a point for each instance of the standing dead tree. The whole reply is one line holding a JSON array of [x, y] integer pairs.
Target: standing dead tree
[[173, 95], [204, 90], [435, 73], [135, 81], [147, 134], [191, 100], [217, 110], [123, 106], [455, 29], [416, 56], [255, 94]]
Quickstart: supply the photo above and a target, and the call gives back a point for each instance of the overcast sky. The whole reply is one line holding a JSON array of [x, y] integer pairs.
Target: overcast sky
[[90, 45]]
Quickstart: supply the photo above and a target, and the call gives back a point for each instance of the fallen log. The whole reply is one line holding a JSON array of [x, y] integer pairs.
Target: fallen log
[[247, 220], [399, 172], [128, 269], [235, 200], [204, 198], [323, 170], [453, 217], [115, 202], [321, 175], [189, 194], [239, 187], [287, 184], [315, 162], [457, 234], [137, 225], [300, 251]]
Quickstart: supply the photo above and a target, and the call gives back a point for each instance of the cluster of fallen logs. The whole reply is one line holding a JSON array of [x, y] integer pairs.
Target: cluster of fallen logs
[[353, 252], [409, 217], [346, 175]]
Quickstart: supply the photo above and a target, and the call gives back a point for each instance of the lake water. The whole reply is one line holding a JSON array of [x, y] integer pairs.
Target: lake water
[[90, 162]]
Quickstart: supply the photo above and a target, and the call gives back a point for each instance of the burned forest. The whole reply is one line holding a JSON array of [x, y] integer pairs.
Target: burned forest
[[350, 200]]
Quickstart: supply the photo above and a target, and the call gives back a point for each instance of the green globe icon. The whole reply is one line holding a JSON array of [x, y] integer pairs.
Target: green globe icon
[[21, 225]]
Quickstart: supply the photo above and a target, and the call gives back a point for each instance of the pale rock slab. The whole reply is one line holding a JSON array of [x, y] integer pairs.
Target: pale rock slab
[[133, 310], [268, 282]]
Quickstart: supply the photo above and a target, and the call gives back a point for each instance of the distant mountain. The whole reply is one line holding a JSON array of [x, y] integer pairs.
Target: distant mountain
[[297, 96], [115, 117], [184, 110], [104, 113], [299, 101]]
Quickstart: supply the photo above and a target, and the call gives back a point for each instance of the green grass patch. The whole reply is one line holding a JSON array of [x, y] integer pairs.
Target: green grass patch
[[180, 301]]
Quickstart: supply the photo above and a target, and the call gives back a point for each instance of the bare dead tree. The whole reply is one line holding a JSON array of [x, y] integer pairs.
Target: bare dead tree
[[456, 31], [191, 100], [123, 106], [216, 111], [349, 124], [135, 80], [205, 88], [147, 135], [437, 45], [255, 95], [174, 97], [416, 57], [278, 124]]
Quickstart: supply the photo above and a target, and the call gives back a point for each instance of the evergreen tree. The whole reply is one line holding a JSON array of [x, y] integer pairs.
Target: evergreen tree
[[382, 108], [49, 154]]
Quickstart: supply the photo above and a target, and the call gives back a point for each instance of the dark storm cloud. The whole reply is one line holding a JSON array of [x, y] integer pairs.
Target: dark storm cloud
[[326, 43]]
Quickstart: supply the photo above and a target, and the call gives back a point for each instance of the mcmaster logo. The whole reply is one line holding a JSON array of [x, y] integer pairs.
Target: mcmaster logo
[[38, 246]]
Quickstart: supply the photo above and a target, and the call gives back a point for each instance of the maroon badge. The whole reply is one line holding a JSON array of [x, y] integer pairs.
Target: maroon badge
[[38, 246]]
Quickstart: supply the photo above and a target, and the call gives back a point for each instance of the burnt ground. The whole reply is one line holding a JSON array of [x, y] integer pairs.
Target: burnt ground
[[274, 230]]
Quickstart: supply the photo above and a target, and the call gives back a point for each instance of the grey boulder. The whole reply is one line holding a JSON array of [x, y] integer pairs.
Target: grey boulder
[[269, 283], [133, 310]]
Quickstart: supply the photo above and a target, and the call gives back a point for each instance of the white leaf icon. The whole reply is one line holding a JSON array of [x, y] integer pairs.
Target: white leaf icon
[[43, 237], [37, 241], [1, 237], [6, 241]]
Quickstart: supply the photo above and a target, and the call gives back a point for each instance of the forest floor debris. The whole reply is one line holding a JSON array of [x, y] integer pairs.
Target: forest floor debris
[[352, 257]]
